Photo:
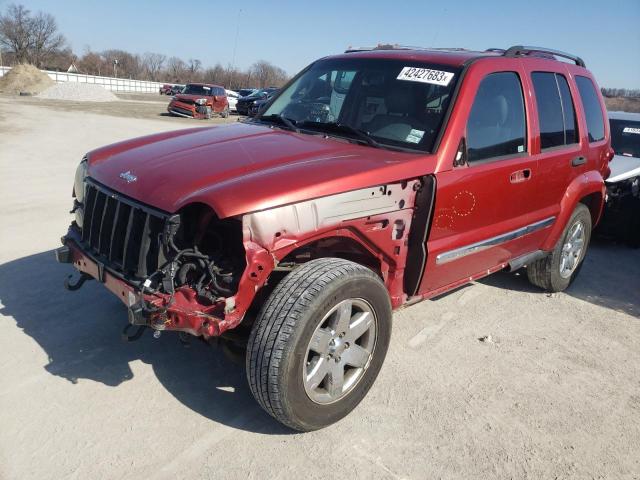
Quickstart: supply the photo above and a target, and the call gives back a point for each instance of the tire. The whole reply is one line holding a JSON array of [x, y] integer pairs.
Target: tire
[[280, 352], [547, 273], [225, 112]]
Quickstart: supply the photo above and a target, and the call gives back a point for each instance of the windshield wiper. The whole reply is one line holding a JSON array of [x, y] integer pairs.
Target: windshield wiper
[[282, 119], [345, 128]]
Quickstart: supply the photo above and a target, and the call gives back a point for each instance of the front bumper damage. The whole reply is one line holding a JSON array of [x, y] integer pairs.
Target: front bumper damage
[[188, 110], [183, 312]]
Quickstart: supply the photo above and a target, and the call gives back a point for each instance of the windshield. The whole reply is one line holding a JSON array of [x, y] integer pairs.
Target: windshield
[[245, 92], [197, 90], [259, 93], [398, 103], [625, 137]]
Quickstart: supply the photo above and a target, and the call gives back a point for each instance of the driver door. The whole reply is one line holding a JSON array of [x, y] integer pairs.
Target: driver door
[[483, 204]]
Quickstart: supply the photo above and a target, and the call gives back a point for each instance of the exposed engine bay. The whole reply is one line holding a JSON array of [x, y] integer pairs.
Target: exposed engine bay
[[200, 252]]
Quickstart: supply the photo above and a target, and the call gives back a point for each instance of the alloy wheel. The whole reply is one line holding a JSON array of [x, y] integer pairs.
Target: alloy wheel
[[339, 351]]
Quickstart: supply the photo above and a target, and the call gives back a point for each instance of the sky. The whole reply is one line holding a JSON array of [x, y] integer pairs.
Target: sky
[[292, 34]]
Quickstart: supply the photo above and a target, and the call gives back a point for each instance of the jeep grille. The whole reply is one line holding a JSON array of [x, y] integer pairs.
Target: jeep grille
[[120, 232]]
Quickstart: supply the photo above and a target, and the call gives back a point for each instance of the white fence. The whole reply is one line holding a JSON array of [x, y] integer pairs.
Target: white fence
[[122, 85]]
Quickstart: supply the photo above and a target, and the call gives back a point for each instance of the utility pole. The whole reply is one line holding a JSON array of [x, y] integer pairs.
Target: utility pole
[[235, 46]]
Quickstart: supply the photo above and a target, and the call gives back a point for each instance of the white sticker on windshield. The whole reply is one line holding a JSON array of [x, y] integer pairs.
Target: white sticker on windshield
[[414, 136], [631, 130], [425, 75]]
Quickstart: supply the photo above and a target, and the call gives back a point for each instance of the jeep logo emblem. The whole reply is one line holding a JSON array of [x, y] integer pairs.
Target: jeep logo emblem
[[128, 176]]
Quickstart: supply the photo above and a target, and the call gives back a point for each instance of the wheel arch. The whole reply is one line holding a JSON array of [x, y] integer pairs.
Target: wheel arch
[[589, 189]]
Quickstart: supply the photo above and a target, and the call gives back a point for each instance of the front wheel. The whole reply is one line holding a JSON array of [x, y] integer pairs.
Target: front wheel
[[556, 271], [319, 342], [225, 112]]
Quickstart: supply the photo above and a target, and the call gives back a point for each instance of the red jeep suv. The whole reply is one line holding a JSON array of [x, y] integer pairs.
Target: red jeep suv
[[372, 180]]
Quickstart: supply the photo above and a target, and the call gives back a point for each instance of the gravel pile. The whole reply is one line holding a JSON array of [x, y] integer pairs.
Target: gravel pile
[[24, 79], [79, 92]]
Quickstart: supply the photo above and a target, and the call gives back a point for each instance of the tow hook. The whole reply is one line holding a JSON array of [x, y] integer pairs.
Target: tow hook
[[83, 277]]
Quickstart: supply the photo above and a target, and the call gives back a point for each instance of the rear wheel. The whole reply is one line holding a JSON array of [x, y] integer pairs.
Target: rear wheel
[[319, 342], [225, 112], [556, 271]]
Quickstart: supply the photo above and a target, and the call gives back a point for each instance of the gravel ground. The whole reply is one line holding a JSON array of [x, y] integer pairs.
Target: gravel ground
[[78, 92], [553, 393]]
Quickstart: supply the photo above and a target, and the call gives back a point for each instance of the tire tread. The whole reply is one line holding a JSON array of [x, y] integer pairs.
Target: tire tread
[[276, 323]]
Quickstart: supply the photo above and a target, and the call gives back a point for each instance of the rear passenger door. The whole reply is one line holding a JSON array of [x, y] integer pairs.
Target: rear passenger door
[[561, 156], [483, 206]]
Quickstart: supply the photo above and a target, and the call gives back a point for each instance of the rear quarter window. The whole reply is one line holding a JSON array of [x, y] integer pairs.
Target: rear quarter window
[[556, 113], [592, 109]]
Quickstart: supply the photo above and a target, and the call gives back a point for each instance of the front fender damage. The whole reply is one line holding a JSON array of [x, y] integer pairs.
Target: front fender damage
[[377, 218]]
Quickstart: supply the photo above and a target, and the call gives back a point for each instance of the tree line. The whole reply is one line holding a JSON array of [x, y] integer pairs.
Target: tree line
[[27, 37], [621, 92], [34, 38]]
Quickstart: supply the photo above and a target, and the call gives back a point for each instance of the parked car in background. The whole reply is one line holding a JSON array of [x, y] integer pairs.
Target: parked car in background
[[375, 179], [622, 213], [165, 89], [200, 100], [245, 92], [175, 89], [255, 107], [232, 97], [244, 103]]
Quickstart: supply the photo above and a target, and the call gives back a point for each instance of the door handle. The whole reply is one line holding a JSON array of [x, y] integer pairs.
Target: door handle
[[520, 176], [576, 162]]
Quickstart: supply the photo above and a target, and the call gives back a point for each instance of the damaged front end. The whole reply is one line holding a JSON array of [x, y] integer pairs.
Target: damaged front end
[[189, 272], [199, 109]]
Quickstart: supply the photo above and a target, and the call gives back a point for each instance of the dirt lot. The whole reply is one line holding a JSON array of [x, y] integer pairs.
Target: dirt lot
[[555, 394], [622, 104], [146, 106]]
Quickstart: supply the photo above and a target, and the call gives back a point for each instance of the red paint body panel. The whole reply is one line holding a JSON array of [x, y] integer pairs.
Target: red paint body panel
[[242, 168]]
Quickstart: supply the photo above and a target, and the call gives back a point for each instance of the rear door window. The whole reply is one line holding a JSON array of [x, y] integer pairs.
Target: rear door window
[[556, 115], [496, 126], [592, 109]]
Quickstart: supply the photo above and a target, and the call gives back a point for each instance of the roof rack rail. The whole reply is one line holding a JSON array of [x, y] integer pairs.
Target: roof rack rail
[[518, 50], [395, 46]]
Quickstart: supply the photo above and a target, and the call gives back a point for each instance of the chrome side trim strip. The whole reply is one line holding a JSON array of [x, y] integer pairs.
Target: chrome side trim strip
[[492, 242]]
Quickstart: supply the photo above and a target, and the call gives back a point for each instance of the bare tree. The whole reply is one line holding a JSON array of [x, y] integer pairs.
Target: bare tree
[[27, 37], [152, 64], [267, 74], [128, 63], [14, 32], [92, 63], [194, 66], [217, 75], [176, 69], [45, 39]]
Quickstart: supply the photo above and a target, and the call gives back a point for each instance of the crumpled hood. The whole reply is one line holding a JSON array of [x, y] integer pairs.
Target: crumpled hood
[[240, 168], [191, 98]]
